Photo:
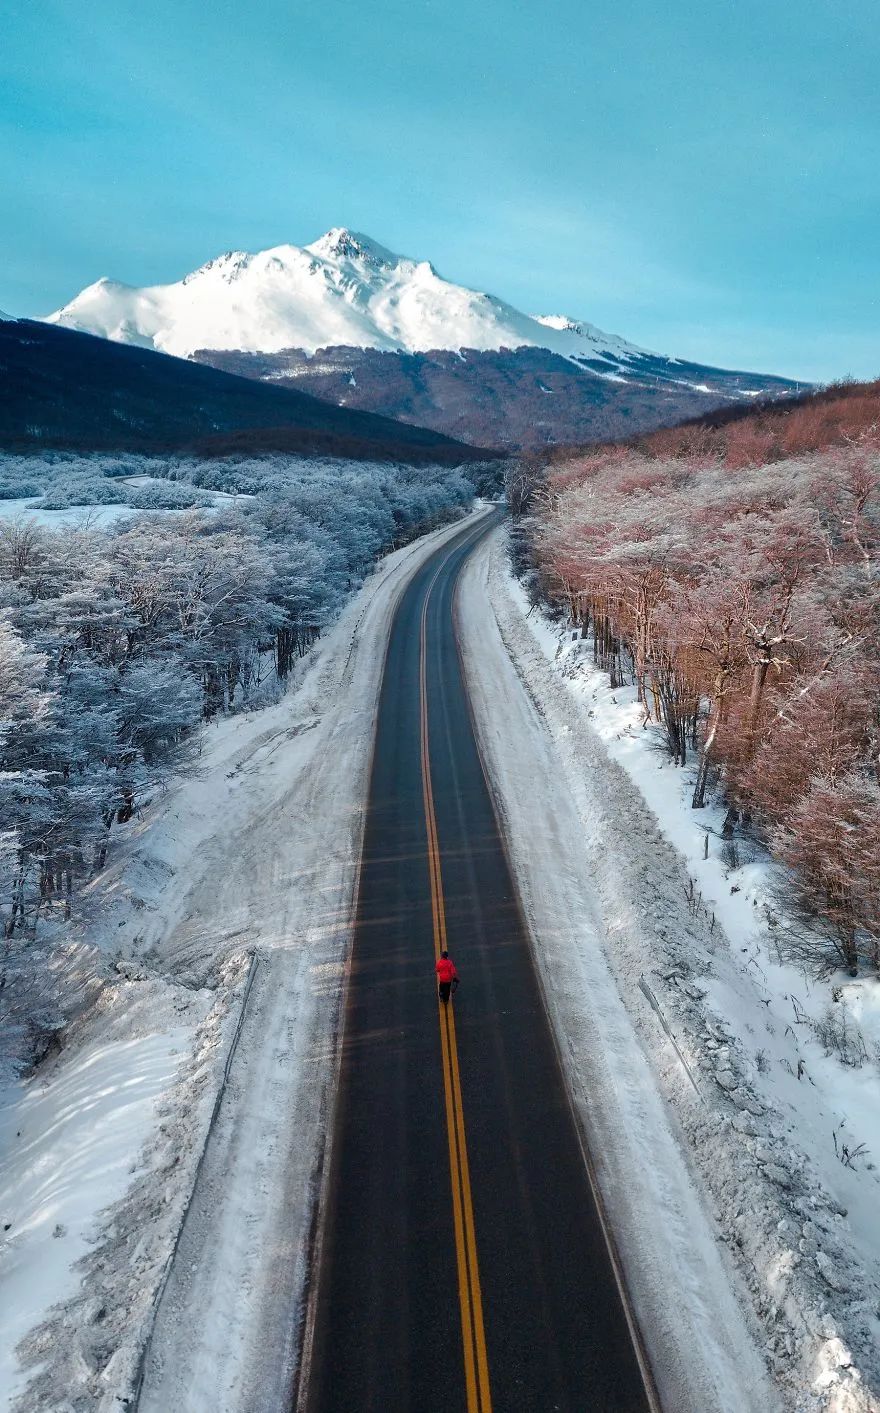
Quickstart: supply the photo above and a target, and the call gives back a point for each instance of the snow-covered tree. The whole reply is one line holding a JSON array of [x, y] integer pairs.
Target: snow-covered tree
[[116, 640], [744, 600]]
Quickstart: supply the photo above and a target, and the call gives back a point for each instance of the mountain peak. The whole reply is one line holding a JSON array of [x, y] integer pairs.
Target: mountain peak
[[339, 243], [345, 289]]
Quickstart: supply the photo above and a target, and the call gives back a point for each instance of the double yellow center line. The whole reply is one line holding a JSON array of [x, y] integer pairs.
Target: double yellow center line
[[476, 1368]]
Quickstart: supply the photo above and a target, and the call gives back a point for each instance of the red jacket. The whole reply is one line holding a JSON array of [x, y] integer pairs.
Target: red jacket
[[445, 970]]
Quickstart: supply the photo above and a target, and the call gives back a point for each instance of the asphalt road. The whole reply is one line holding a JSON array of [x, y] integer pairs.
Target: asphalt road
[[463, 1261]]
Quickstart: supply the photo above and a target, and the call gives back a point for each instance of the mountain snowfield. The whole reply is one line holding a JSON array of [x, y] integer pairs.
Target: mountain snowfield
[[343, 289]]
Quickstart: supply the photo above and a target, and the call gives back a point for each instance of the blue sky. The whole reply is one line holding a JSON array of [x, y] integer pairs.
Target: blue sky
[[700, 177]]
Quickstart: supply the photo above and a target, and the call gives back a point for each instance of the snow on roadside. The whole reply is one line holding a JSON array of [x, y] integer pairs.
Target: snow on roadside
[[612, 872], [68, 1140], [118, 1111], [254, 850]]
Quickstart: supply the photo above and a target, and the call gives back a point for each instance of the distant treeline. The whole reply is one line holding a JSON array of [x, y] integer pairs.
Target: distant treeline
[[749, 434], [68, 390]]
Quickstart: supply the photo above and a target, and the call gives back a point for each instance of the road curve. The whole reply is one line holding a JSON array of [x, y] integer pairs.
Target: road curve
[[463, 1260]]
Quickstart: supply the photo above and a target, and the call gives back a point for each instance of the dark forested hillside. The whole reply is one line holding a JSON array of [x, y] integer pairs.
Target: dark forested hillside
[[59, 388]]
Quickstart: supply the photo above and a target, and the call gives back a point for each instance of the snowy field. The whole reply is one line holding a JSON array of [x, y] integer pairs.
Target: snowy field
[[700, 1063], [236, 887], [31, 507], [94, 516]]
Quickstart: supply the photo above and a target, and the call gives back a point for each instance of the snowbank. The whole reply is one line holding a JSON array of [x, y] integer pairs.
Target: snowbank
[[716, 1160], [82, 1140]]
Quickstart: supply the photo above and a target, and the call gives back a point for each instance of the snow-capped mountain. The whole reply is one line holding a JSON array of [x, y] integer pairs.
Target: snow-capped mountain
[[342, 290], [396, 338]]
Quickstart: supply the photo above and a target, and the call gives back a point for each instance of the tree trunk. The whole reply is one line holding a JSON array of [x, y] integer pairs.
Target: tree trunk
[[284, 645], [699, 797], [759, 678], [850, 952]]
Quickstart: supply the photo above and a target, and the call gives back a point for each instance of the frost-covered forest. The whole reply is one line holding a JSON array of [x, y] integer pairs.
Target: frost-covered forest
[[732, 575], [118, 638]]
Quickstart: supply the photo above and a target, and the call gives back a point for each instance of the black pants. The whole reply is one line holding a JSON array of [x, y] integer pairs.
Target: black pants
[[444, 989]]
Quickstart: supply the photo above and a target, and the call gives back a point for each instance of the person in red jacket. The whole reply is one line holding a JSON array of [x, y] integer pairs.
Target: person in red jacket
[[447, 976]]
